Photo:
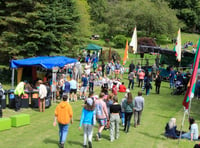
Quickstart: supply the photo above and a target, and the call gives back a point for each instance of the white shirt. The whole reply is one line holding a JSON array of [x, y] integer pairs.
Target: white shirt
[[42, 91]]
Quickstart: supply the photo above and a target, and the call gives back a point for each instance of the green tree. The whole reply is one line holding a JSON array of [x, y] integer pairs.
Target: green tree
[[151, 17], [188, 11], [31, 27]]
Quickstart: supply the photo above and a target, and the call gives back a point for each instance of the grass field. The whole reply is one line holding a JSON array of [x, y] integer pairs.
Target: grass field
[[158, 110]]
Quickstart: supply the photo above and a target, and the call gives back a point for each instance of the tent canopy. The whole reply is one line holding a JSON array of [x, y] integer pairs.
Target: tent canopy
[[44, 61], [93, 47]]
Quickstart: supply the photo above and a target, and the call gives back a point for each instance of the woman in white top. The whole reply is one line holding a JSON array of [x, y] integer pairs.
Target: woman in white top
[[42, 95], [193, 134], [87, 68]]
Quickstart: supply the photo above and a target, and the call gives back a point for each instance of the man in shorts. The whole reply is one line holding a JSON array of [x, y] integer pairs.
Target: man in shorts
[[101, 115], [83, 87], [73, 89]]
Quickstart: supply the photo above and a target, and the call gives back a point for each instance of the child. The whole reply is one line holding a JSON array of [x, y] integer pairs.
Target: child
[[91, 82], [87, 121], [114, 88], [122, 87]]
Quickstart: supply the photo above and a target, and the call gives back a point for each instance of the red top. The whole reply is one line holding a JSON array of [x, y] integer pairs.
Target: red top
[[122, 88], [114, 89]]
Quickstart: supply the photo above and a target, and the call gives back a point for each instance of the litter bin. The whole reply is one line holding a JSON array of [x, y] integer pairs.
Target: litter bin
[[35, 98], [48, 98], [25, 100], [3, 103], [11, 98]]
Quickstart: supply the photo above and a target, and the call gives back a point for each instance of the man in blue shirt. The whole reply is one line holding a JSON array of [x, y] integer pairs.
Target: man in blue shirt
[[83, 87], [73, 89]]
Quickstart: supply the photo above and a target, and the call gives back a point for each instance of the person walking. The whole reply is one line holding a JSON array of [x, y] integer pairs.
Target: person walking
[[131, 67], [88, 119], [138, 108], [83, 89], [158, 81], [101, 115], [171, 77], [102, 68], [147, 84], [131, 77], [19, 91], [66, 88], [115, 110], [63, 115], [73, 89], [42, 95], [128, 106], [141, 75]]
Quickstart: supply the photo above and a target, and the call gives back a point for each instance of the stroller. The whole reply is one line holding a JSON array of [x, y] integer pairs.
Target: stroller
[[179, 88]]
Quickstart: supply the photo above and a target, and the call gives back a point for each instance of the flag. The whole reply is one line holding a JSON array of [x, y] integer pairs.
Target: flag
[[177, 47], [133, 42], [192, 83], [125, 53]]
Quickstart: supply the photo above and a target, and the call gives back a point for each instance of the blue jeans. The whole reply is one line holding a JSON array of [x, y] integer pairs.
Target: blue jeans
[[123, 117], [171, 81], [147, 91], [127, 121], [131, 84], [63, 131]]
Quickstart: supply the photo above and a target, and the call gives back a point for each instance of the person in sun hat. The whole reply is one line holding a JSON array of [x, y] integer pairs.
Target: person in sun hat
[[87, 121]]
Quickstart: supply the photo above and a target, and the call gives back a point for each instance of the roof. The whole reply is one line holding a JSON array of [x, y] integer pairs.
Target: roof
[[47, 62], [93, 47]]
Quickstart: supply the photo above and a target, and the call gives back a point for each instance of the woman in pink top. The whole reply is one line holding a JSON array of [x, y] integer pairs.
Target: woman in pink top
[[141, 75], [101, 114]]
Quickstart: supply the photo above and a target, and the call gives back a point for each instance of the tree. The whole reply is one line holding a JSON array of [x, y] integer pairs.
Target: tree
[[155, 18], [32, 28], [188, 11]]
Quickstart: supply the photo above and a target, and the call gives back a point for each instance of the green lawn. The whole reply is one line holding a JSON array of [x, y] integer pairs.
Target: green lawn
[[158, 110]]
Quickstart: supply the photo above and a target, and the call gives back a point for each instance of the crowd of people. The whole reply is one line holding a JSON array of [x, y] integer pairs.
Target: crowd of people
[[105, 108]]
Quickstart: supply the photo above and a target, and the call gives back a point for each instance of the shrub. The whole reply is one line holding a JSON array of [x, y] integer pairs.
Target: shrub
[[119, 41], [146, 41]]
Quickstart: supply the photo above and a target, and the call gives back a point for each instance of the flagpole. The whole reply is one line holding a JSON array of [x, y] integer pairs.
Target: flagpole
[[190, 106], [183, 120]]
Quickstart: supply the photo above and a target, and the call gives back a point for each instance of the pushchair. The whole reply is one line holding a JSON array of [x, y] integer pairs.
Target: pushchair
[[179, 88]]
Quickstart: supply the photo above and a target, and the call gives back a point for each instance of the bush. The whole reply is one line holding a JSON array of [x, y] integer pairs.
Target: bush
[[119, 41], [146, 41]]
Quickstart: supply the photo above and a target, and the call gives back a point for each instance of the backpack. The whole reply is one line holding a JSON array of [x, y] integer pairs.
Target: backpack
[[148, 83]]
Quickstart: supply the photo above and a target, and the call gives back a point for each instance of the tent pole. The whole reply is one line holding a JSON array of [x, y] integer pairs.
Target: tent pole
[[12, 78]]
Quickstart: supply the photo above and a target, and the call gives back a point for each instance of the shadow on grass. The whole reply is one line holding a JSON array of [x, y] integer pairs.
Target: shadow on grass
[[152, 136], [107, 137], [163, 116], [74, 143], [48, 140]]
